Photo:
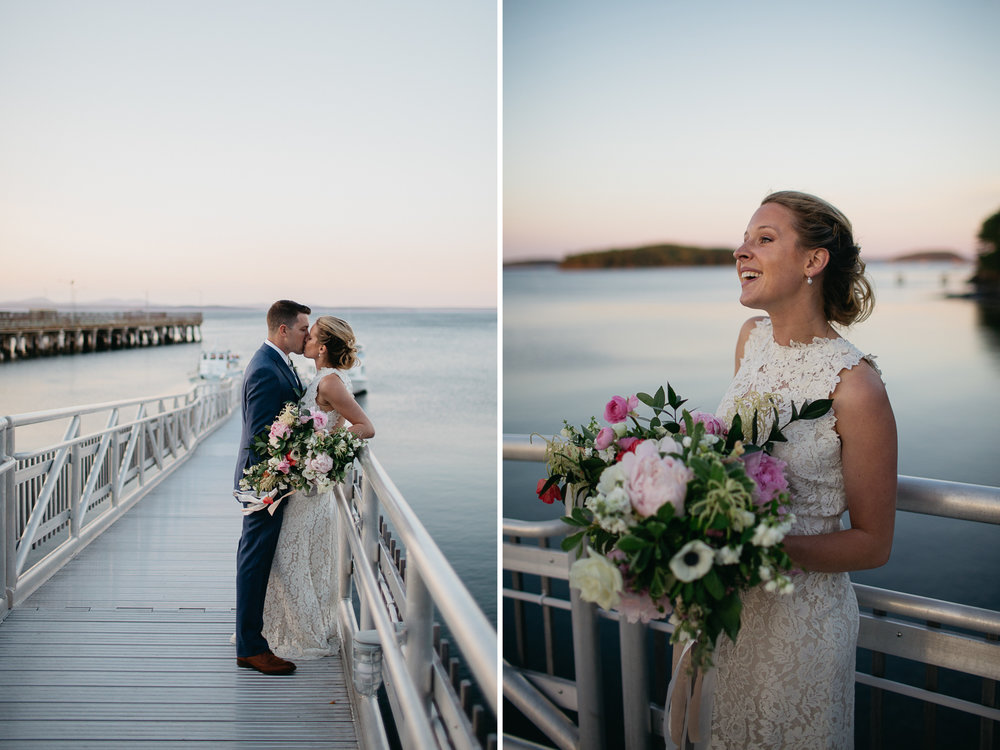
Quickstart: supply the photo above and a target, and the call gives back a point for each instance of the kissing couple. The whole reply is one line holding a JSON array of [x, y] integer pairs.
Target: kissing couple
[[285, 564]]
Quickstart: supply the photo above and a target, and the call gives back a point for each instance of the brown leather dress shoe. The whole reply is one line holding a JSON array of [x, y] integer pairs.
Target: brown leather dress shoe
[[266, 663]]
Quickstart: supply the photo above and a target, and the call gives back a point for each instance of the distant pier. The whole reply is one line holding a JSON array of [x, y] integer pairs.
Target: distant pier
[[42, 333]]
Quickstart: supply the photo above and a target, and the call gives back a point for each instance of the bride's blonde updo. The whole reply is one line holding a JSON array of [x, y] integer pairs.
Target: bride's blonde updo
[[848, 296], [338, 338]]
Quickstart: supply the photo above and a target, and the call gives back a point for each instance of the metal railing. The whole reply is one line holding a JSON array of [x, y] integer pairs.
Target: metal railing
[[56, 500], [431, 705], [938, 634]]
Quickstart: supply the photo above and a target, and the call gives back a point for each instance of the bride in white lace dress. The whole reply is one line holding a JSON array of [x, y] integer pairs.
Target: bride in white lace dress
[[300, 606], [788, 681]]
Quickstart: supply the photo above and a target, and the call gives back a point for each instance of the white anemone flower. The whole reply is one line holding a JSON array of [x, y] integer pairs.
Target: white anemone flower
[[693, 561]]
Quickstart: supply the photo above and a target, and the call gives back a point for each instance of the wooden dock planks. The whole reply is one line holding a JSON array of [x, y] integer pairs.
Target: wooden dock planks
[[128, 645]]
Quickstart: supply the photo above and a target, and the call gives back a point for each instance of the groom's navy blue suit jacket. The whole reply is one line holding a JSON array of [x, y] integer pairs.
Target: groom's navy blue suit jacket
[[268, 383]]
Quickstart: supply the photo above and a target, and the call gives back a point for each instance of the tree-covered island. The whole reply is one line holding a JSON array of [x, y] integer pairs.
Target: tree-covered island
[[650, 256]]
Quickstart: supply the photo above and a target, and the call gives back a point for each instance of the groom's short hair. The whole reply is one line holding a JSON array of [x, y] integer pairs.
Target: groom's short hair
[[284, 312]]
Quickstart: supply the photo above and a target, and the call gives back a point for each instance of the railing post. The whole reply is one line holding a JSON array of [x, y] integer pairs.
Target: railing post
[[369, 541], [116, 457], [587, 666], [75, 492], [419, 633], [8, 570], [635, 684]]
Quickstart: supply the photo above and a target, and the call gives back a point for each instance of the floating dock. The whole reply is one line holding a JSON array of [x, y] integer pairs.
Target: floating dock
[[41, 333]]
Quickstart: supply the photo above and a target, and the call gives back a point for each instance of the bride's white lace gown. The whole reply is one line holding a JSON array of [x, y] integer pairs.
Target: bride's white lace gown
[[788, 681], [300, 606]]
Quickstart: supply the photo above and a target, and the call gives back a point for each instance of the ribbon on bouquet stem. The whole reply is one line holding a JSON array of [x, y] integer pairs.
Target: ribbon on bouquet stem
[[687, 713], [253, 503]]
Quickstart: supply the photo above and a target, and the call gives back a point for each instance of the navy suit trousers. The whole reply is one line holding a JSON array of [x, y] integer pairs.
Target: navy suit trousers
[[253, 568]]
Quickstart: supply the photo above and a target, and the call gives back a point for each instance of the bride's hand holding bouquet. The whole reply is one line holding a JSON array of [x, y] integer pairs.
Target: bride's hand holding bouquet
[[303, 454], [680, 513]]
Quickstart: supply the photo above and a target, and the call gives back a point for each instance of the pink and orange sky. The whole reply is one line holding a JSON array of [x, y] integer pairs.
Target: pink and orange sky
[[641, 122], [223, 152]]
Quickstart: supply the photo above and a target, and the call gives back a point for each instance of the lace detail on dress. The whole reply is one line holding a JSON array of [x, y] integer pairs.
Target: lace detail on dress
[[788, 681], [300, 619]]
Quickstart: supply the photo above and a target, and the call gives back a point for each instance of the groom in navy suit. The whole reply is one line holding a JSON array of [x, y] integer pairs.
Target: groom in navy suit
[[268, 383]]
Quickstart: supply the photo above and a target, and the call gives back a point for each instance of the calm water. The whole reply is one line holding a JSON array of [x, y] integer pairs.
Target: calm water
[[571, 340], [432, 397]]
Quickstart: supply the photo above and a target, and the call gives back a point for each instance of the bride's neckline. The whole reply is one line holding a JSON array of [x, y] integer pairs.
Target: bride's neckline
[[792, 344]]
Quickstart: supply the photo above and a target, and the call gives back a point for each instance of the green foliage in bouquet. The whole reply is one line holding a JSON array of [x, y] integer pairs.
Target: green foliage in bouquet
[[684, 512]]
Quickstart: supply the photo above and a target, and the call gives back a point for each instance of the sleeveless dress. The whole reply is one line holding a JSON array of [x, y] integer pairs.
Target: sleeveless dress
[[788, 681], [300, 607]]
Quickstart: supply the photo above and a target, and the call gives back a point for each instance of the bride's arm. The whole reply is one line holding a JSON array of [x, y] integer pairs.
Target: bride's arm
[[867, 431], [332, 392]]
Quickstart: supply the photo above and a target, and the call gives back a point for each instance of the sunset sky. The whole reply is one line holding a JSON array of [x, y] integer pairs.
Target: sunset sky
[[656, 121], [236, 151]]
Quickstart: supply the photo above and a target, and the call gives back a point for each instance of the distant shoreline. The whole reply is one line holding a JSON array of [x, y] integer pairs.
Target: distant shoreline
[[686, 256]]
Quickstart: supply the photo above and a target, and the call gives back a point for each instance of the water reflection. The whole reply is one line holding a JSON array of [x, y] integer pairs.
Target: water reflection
[[988, 318]]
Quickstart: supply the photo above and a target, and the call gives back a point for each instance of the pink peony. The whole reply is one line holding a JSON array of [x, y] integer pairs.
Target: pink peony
[[280, 430], [618, 408], [321, 464], [604, 438], [283, 466], [655, 481], [713, 425], [319, 419], [768, 474]]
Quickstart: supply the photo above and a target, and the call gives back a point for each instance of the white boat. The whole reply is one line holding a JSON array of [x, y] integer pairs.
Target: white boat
[[215, 365], [357, 374]]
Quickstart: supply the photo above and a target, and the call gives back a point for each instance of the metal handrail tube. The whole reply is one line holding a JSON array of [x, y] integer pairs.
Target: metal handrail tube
[[141, 417], [469, 626], [530, 701], [534, 529], [925, 608], [936, 497], [417, 724], [34, 417]]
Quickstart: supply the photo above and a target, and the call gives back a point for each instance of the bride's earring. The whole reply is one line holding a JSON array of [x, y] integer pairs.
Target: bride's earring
[[809, 280]]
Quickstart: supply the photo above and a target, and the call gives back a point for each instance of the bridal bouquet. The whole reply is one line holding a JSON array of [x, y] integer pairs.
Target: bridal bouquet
[[681, 513], [302, 454]]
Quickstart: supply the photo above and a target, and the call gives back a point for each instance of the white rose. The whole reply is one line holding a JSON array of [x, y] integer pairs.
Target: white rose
[[620, 429], [598, 581], [611, 477]]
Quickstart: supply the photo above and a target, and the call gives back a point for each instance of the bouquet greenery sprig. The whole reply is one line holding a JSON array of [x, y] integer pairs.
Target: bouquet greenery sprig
[[681, 513]]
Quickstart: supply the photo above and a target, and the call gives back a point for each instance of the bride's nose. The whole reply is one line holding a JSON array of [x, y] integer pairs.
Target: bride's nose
[[741, 252]]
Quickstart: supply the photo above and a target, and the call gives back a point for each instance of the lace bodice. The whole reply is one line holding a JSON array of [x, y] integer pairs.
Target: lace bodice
[[782, 375], [308, 400]]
